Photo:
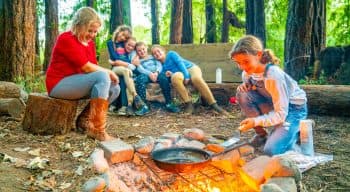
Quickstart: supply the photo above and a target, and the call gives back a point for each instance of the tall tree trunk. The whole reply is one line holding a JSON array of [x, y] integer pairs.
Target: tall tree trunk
[[297, 45], [210, 26], [225, 22], [126, 12], [90, 3], [116, 15], [187, 26], [51, 29], [255, 19], [176, 22], [155, 21], [37, 64], [318, 35], [17, 31]]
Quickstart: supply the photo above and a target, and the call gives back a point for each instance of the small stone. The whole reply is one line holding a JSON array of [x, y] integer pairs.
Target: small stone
[[96, 184]]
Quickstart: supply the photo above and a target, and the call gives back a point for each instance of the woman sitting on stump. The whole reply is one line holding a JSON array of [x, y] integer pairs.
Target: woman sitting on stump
[[73, 73], [181, 72], [268, 96]]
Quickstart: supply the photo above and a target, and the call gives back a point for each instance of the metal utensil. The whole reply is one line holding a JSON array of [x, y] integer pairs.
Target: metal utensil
[[235, 138]]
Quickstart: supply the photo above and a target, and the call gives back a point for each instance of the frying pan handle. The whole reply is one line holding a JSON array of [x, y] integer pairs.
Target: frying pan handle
[[230, 148]]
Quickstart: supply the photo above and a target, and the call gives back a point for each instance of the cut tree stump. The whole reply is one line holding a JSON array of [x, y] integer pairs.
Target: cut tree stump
[[49, 116]]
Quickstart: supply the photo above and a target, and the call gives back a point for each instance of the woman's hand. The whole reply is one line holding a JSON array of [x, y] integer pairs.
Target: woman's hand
[[244, 87], [168, 73], [246, 124]]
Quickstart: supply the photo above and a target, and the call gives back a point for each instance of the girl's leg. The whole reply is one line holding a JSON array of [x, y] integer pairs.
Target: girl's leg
[[165, 86], [177, 80], [141, 82], [201, 85], [93, 85], [123, 94], [284, 137]]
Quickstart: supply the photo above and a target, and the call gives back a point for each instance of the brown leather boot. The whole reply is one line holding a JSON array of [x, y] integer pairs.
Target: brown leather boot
[[98, 117], [83, 121]]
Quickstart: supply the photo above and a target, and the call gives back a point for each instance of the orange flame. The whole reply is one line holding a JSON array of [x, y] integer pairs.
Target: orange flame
[[234, 179]]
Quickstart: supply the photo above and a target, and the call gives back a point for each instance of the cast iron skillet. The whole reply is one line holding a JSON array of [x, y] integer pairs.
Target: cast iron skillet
[[185, 159]]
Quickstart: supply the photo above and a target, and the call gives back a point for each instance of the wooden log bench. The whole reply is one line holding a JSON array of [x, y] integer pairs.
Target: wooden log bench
[[208, 57], [49, 116]]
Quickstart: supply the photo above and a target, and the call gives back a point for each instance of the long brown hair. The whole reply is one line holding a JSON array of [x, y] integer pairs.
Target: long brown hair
[[119, 29], [250, 44]]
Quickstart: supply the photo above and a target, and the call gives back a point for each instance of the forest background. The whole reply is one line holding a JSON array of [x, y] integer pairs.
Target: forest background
[[273, 21]]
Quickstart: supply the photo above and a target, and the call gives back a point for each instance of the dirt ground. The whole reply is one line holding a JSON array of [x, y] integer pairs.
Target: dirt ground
[[67, 168]]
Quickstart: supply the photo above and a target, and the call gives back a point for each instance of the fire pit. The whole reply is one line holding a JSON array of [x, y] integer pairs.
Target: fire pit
[[236, 169]]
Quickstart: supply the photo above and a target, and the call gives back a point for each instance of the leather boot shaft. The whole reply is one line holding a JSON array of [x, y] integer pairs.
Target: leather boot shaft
[[98, 117], [83, 122]]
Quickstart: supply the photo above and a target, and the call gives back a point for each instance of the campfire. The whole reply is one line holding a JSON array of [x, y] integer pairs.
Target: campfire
[[233, 169]]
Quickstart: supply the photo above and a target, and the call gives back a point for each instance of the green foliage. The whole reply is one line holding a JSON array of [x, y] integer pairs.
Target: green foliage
[[338, 22], [30, 85], [310, 81]]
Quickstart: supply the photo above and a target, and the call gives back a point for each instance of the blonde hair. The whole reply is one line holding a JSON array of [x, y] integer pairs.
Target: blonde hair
[[83, 18], [159, 47], [140, 43], [119, 29], [250, 44]]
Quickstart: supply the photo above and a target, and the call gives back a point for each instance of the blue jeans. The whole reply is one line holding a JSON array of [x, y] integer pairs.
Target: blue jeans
[[142, 80], [284, 136], [90, 85]]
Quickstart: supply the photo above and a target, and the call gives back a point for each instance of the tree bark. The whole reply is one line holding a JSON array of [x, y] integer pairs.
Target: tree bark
[[9, 90], [225, 22], [126, 12], [12, 106], [210, 26], [90, 3], [255, 19], [187, 26], [38, 64], [318, 35], [57, 116], [116, 15], [297, 45], [176, 22], [51, 28], [17, 31], [155, 21]]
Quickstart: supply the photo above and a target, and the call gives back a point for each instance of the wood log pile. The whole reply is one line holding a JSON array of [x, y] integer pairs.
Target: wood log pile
[[12, 99]]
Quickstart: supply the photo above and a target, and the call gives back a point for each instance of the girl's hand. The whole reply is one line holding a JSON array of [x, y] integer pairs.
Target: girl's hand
[[244, 87], [168, 73], [246, 124], [136, 61], [186, 81], [113, 76]]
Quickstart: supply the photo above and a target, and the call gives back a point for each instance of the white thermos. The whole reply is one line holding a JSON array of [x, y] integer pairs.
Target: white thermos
[[218, 75], [306, 137]]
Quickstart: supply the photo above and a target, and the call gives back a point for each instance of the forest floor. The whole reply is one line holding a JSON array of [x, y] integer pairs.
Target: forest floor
[[68, 154]]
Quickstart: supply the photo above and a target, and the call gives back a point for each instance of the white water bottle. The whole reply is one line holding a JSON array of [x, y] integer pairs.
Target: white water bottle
[[306, 137], [218, 75]]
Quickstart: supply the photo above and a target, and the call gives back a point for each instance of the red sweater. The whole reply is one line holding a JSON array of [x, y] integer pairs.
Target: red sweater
[[68, 57]]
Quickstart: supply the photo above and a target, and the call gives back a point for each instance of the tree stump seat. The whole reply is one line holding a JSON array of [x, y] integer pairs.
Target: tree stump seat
[[50, 116]]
